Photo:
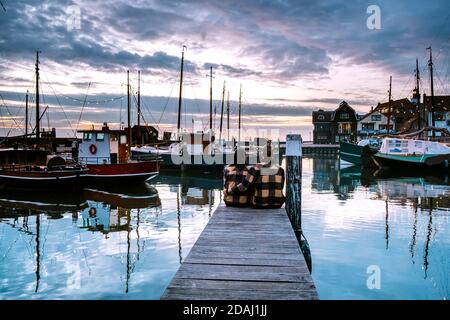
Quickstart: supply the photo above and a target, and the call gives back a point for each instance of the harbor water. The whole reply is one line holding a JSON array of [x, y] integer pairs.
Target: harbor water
[[370, 237]]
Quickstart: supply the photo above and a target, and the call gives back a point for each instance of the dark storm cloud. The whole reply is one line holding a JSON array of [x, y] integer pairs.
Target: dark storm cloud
[[289, 38], [283, 40], [25, 28]]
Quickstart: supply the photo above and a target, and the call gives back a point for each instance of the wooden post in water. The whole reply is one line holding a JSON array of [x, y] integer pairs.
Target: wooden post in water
[[294, 181]]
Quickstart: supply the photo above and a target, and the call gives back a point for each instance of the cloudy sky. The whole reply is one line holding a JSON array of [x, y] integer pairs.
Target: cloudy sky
[[291, 57]]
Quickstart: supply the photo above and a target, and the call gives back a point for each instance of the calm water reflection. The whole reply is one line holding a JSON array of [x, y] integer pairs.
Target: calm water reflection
[[127, 243], [399, 224], [114, 243]]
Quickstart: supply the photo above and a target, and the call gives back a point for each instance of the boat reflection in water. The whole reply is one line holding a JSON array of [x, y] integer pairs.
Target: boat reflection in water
[[103, 243], [357, 218], [109, 209]]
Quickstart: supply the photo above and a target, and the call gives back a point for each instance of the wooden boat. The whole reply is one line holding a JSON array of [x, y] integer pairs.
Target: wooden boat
[[411, 154], [105, 153], [359, 154], [52, 175]]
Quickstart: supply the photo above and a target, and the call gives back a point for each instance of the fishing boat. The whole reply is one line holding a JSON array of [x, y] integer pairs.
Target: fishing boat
[[105, 154], [412, 154], [34, 167], [56, 173]]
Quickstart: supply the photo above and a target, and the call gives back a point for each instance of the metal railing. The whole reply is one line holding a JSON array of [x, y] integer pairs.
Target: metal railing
[[94, 160]]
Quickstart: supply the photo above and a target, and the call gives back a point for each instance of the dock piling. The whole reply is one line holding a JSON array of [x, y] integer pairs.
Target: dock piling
[[294, 181]]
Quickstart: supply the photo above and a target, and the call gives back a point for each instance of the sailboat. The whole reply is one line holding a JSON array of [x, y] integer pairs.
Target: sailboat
[[106, 153], [36, 168], [410, 152], [193, 151]]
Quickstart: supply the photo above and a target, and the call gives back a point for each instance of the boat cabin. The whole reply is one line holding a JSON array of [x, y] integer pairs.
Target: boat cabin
[[103, 146]]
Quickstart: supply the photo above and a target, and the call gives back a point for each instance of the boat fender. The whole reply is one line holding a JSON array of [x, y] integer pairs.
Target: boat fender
[[93, 148]]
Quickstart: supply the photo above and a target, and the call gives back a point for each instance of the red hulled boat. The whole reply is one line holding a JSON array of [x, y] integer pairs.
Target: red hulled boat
[[106, 154]]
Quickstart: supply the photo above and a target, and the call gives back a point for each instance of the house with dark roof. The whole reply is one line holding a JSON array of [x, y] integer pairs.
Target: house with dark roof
[[405, 114], [331, 127], [441, 110]]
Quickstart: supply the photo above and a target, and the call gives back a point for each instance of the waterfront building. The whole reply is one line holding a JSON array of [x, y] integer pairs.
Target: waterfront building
[[331, 127]]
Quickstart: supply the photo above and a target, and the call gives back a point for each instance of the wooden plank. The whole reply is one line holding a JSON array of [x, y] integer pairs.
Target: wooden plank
[[235, 285], [244, 254]]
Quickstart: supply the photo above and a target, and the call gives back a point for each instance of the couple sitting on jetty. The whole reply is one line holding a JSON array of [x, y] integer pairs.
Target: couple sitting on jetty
[[258, 186]]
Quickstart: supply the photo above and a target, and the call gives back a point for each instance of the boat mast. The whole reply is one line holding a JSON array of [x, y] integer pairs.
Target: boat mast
[[26, 116], [138, 132], [228, 116], [430, 64], [221, 112], [180, 96], [240, 105], [418, 93], [128, 114], [389, 105], [38, 127], [210, 99]]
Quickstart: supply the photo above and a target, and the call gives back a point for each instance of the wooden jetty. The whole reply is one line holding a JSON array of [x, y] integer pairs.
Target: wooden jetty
[[314, 149], [247, 254]]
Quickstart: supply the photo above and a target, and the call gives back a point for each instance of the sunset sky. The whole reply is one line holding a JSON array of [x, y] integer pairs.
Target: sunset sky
[[291, 57]]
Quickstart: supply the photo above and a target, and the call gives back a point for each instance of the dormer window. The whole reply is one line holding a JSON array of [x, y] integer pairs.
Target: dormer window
[[87, 136]]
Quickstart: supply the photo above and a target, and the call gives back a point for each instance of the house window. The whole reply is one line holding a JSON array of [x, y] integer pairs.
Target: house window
[[384, 126], [376, 117], [87, 136], [345, 115], [368, 126], [344, 128], [321, 117], [123, 139], [100, 136]]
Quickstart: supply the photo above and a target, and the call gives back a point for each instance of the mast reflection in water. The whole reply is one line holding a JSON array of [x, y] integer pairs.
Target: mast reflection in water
[[101, 243], [354, 220]]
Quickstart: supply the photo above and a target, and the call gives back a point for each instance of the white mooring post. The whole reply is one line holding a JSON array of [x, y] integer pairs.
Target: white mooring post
[[294, 180]]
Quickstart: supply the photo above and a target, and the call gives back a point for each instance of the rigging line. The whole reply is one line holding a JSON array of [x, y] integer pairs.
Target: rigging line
[[82, 109], [188, 69], [148, 110], [151, 115], [407, 83], [167, 101], [88, 101], [7, 109], [16, 115], [57, 99]]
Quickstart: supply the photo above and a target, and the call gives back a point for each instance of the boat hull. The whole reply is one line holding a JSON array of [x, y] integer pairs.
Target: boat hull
[[358, 155], [122, 172], [426, 164], [35, 179]]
